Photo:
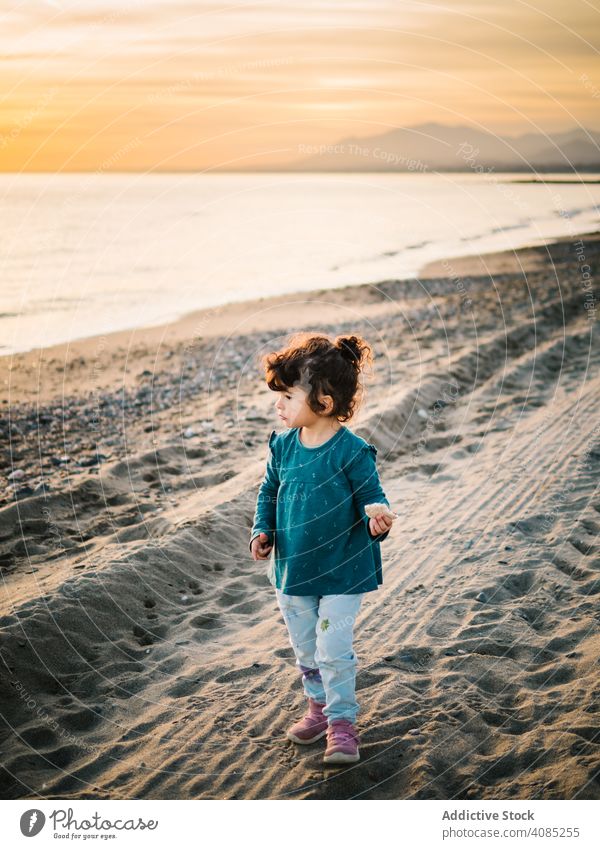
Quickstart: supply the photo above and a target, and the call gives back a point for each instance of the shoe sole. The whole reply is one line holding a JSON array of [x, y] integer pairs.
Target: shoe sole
[[341, 758], [314, 739]]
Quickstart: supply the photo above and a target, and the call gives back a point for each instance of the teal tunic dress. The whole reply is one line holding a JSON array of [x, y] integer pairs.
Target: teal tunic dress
[[311, 506]]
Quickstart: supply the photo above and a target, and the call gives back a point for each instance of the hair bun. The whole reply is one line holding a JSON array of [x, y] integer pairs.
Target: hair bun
[[351, 349]]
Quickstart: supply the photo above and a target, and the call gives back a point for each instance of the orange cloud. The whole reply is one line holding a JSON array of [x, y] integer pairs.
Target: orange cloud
[[159, 86]]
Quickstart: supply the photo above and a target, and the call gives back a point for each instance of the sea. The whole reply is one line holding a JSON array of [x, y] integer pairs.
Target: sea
[[83, 254]]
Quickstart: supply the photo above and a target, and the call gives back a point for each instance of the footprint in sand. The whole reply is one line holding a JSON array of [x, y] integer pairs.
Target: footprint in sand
[[229, 597], [246, 607], [514, 585], [574, 572], [40, 739], [551, 676], [532, 526], [429, 469], [234, 600], [184, 687], [590, 588], [436, 443], [368, 678], [128, 688], [82, 720], [448, 619], [144, 638], [207, 622], [415, 659], [284, 653], [534, 616], [416, 473], [240, 674], [583, 538], [195, 588], [466, 450]]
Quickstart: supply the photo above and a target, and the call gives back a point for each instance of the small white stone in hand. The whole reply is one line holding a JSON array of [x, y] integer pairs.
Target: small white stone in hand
[[374, 510]]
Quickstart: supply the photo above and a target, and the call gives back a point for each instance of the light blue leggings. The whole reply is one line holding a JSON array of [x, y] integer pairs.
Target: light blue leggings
[[320, 631]]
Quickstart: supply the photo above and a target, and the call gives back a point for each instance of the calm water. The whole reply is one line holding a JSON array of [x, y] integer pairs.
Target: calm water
[[83, 254]]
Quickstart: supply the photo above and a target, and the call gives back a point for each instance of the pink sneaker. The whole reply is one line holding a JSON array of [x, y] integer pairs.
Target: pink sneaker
[[342, 743], [312, 727]]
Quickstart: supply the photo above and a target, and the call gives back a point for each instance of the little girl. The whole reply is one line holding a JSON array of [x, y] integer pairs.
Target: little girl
[[311, 510]]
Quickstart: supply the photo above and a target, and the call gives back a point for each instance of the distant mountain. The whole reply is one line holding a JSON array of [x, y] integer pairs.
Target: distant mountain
[[436, 147], [584, 153]]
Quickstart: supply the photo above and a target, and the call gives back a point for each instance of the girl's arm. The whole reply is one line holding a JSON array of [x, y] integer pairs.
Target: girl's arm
[[366, 486], [266, 504]]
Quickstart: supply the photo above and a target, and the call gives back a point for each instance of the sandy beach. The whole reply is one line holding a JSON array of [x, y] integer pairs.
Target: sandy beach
[[143, 653]]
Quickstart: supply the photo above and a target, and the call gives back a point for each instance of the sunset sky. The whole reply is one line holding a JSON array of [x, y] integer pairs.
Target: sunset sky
[[155, 85]]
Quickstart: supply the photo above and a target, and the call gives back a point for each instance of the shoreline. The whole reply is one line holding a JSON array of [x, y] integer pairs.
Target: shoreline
[[68, 361]]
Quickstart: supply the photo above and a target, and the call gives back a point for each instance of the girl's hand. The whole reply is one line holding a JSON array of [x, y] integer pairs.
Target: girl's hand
[[380, 524], [261, 547]]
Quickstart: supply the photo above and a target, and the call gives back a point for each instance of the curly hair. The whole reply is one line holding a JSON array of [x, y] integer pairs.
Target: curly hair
[[322, 366]]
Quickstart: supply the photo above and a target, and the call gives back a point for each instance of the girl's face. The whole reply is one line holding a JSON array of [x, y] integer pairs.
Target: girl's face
[[293, 410]]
